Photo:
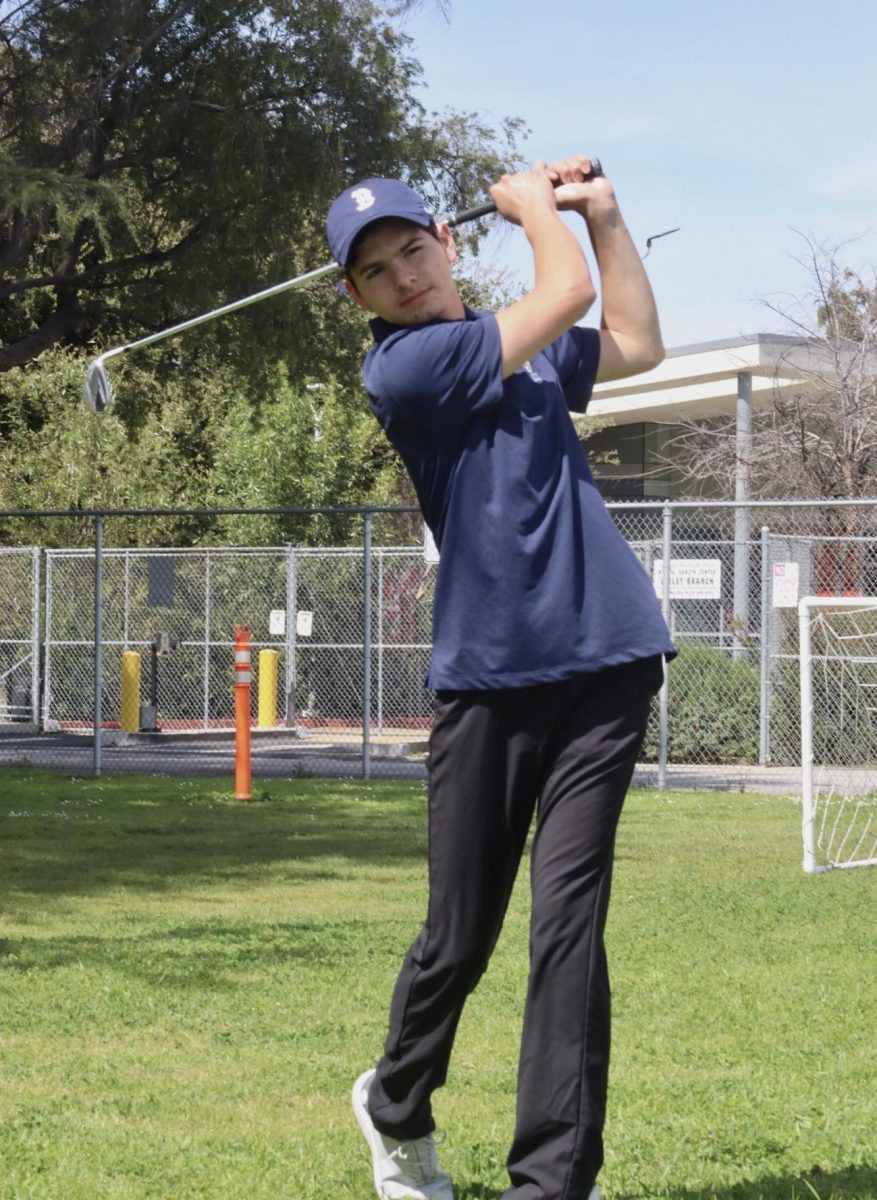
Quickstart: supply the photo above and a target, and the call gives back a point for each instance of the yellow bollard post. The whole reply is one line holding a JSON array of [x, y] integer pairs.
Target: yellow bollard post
[[268, 688], [129, 721]]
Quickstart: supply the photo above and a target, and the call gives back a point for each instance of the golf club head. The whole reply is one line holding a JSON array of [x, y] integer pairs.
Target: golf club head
[[98, 392]]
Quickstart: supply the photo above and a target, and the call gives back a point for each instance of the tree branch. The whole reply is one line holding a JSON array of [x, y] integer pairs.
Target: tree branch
[[148, 42], [67, 319], [78, 280]]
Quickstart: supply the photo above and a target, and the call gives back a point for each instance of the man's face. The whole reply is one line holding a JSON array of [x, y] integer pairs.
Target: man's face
[[402, 272]]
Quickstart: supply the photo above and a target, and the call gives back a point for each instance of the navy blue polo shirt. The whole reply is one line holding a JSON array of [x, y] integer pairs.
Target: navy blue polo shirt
[[535, 582]]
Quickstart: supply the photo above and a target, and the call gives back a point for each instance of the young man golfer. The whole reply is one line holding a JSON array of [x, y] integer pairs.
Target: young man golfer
[[548, 644]]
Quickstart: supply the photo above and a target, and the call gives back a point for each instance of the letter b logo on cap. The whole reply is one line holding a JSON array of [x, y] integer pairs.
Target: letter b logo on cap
[[363, 198]]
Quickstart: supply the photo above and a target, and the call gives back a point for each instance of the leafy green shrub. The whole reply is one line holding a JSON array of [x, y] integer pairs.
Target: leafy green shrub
[[713, 709]]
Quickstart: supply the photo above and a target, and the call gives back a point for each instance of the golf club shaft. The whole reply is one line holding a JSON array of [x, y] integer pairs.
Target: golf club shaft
[[265, 294]]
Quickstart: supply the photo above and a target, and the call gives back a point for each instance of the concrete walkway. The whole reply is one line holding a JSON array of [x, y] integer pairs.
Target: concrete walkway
[[338, 752]]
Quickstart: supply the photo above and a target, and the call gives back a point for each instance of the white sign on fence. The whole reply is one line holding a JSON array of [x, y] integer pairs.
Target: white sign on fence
[[690, 578], [277, 622], [304, 623], [784, 593], [430, 549]]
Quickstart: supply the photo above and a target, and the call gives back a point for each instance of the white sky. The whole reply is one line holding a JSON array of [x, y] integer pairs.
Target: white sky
[[739, 122]]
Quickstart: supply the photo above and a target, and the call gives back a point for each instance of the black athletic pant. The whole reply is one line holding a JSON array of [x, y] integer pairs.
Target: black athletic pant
[[571, 747]]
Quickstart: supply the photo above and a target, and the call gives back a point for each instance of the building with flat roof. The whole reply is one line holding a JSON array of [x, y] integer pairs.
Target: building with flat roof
[[708, 379]]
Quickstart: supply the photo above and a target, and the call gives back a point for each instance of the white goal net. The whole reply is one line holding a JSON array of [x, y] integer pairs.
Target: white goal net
[[838, 637]]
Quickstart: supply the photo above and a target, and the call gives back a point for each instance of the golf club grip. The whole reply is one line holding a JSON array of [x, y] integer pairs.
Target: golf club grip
[[484, 210]]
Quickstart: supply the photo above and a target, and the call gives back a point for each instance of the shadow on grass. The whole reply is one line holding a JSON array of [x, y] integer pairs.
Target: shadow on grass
[[69, 837], [851, 1183], [211, 953]]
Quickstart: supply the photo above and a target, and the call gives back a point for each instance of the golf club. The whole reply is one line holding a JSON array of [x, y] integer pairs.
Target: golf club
[[484, 210], [98, 393]]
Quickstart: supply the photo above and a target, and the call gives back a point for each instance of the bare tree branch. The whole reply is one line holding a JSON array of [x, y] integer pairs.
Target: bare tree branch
[[818, 437]]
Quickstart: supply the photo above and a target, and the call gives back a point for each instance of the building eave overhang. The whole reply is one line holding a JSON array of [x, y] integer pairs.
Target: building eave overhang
[[702, 380]]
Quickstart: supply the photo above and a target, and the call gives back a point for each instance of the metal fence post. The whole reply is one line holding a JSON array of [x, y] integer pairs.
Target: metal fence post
[[663, 735], [47, 647], [367, 645], [380, 642], [126, 615], [290, 635], [741, 515], [208, 597], [98, 638], [35, 638], [764, 703]]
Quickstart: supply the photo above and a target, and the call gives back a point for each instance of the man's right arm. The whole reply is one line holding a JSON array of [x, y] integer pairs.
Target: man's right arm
[[563, 290]]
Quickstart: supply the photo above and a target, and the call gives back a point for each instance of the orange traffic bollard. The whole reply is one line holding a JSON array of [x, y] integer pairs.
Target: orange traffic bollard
[[242, 772]]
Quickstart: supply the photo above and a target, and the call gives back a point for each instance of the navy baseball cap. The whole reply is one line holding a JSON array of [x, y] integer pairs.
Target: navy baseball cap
[[368, 201]]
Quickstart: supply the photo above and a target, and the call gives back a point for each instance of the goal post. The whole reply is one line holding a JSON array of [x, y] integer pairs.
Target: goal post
[[838, 666]]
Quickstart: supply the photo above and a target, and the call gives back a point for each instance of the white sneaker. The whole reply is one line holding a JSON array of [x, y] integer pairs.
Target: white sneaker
[[402, 1170]]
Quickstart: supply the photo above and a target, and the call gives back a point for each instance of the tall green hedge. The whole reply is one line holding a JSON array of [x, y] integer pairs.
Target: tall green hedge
[[713, 708]]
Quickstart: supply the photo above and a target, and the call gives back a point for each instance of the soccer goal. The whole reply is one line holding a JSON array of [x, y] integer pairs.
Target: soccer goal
[[838, 641]]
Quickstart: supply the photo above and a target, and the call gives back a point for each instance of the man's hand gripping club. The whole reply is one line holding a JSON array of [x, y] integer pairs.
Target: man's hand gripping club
[[563, 290]]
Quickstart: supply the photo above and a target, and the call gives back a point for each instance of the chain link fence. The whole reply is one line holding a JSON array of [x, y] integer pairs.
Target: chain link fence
[[340, 638]]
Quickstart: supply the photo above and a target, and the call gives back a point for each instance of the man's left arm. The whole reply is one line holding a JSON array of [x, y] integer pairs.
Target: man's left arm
[[630, 333]]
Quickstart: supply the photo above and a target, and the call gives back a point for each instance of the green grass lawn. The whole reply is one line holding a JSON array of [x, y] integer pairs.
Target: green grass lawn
[[188, 987]]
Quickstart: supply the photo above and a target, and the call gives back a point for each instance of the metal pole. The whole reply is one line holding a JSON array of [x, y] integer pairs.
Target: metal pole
[[380, 642], [664, 712], [207, 607], [764, 703], [741, 513], [367, 646], [98, 637], [126, 628], [806, 669], [35, 640], [47, 644], [291, 635]]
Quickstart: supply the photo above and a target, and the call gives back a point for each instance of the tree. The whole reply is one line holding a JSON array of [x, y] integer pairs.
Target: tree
[[307, 446], [816, 440], [158, 157], [205, 446], [161, 157]]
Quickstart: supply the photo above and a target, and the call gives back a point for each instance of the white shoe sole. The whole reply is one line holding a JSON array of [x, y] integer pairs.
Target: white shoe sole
[[358, 1098]]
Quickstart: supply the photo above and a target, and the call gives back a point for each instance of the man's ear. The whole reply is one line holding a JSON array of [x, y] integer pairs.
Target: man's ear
[[346, 284], [446, 238]]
